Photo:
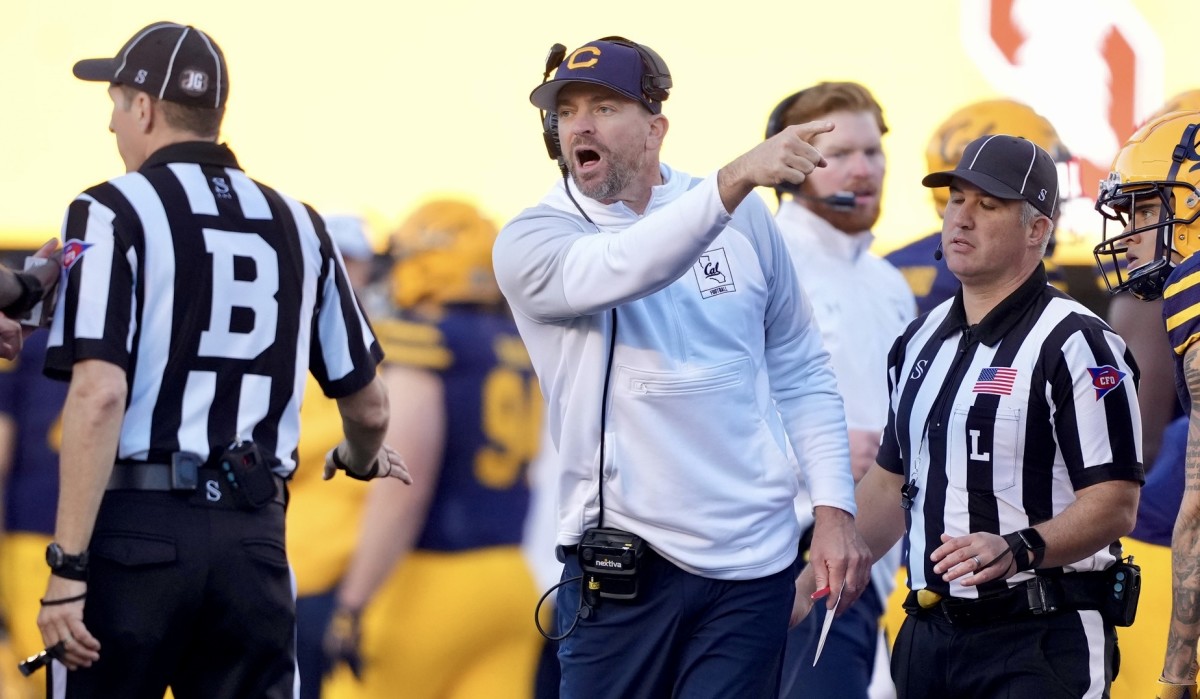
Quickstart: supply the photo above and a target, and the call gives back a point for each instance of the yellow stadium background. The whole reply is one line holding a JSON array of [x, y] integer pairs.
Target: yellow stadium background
[[370, 107]]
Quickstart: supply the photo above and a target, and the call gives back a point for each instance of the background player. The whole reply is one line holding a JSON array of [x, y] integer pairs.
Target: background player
[[1152, 200], [438, 578]]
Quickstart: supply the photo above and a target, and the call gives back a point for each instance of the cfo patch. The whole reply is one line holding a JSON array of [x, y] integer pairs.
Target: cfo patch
[[1105, 379], [72, 251], [713, 273]]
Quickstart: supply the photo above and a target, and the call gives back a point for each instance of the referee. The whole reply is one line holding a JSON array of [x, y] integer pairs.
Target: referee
[[1011, 460], [195, 302]]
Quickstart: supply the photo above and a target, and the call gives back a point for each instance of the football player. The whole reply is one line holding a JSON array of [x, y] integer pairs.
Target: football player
[[441, 566], [1137, 318], [1151, 206]]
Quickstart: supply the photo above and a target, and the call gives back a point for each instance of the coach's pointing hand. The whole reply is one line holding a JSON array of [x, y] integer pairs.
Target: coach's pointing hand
[[788, 156]]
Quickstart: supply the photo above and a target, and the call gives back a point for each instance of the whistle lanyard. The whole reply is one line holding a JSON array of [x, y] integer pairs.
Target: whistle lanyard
[[909, 491]]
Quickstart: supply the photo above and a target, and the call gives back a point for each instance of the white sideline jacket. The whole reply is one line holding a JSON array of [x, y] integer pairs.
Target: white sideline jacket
[[718, 361]]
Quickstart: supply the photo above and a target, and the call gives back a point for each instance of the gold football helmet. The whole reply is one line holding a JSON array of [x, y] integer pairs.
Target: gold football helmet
[[1159, 167], [983, 119], [443, 254], [1186, 101]]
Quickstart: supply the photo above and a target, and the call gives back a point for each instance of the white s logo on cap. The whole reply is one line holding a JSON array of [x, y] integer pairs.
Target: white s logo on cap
[[1042, 195]]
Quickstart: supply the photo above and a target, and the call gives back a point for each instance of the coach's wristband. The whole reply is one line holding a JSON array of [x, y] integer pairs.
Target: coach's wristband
[[341, 466]]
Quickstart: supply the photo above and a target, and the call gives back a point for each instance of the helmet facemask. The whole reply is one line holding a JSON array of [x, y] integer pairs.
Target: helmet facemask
[[1159, 167], [1119, 204]]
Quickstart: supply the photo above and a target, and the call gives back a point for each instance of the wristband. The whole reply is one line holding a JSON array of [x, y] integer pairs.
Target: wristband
[[341, 466], [1026, 541], [61, 600]]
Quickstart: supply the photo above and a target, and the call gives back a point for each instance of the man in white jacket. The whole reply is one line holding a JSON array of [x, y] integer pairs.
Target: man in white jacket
[[678, 357], [862, 304]]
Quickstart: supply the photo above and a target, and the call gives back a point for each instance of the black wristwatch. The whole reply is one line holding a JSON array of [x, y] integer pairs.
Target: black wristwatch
[[1026, 540], [65, 565]]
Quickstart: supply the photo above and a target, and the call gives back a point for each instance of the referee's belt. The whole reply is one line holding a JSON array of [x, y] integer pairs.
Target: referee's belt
[[142, 475], [1039, 596]]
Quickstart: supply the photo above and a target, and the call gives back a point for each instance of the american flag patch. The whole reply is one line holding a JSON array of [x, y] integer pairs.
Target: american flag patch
[[997, 380]]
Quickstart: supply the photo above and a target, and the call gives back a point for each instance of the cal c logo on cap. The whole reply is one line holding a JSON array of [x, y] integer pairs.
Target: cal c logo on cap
[[72, 251], [584, 57], [1105, 379]]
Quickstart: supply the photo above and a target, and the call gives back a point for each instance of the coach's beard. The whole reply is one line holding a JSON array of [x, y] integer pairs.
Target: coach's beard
[[619, 173]]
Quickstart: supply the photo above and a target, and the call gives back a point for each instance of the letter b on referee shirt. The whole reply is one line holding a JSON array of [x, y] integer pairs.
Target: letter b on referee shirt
[[244, 309]]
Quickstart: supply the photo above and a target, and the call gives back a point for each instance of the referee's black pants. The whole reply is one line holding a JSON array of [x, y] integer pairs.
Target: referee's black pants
[[1067, 655], [190, 592]]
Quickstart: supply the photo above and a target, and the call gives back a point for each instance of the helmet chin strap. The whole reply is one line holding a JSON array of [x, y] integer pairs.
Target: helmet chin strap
[[1148, 281]]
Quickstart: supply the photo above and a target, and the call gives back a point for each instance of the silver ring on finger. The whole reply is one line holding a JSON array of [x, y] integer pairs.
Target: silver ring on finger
[[978, 563]]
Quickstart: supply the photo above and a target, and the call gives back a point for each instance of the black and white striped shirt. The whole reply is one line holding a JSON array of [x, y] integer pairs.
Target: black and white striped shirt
[[217, 295], [1000, 423]]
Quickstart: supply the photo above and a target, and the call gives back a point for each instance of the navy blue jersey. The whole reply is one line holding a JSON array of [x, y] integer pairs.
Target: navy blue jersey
[[493, 416], [34, 404], [1181, 311]]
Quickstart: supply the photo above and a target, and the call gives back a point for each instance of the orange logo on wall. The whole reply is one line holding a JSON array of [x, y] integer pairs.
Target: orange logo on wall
[[1094, 69]]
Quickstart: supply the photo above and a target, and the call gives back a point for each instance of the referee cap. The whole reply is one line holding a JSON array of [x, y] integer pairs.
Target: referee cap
[[1006, 167], [173, 62]]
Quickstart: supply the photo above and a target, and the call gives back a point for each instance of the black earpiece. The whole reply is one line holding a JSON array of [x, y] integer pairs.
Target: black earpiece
[[550, 135], [550, 119]]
